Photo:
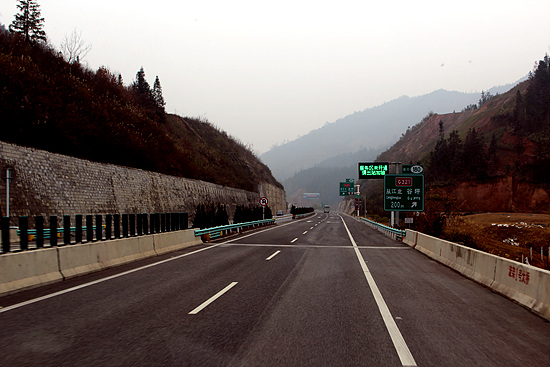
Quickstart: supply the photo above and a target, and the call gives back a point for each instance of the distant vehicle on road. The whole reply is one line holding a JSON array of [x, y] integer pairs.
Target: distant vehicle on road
[[279, 212], [326, 209]]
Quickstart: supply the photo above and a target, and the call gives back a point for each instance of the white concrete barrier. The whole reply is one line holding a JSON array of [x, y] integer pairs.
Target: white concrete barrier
[[22, 270], [88, 257], [410, 238], [525, 284], [173, 241]]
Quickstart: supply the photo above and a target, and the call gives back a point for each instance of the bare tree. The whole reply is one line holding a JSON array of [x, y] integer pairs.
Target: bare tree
[[73, 47]]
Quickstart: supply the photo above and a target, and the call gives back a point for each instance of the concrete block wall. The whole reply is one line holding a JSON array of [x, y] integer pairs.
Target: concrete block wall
[[53, 184]]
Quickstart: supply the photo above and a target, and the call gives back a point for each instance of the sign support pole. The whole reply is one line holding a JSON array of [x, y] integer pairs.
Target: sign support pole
[[8, 174], [397, 170]]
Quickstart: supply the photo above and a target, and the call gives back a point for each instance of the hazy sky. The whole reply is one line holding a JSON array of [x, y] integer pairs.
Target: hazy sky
[[266, 72]]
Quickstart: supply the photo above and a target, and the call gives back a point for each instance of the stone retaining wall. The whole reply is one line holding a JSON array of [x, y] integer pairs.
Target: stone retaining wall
[[52, 184]]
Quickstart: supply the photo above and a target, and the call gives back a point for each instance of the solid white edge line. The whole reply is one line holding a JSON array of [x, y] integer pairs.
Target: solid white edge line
[[212, 299], [273, 255], [399, 343], [68, 290]]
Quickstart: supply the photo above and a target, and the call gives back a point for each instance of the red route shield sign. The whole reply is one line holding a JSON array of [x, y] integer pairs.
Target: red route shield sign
[[403, 181]]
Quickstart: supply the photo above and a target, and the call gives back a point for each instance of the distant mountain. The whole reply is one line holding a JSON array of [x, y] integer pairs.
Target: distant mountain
[[325, 177], [374, 128]]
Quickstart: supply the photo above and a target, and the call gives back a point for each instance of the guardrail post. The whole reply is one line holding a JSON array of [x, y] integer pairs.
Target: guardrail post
[[132, 218], [124, 225], [116, 219], [168, 222], [99, 227], [89, 228], [39, 226], [5, 224], [66, 229], [157, 223], [152, 223], [139, 222], [162, 222], [108, 226], [53, 230], [145, 219], [23, 233], [175, 221], [78, 228], [184, 218]]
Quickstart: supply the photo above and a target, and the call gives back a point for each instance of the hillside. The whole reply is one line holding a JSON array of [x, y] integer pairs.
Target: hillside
[[417, 142], [492, 158], [62, 107]]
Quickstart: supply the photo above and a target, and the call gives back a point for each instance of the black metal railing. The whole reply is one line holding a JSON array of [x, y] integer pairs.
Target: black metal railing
[[97, 228]]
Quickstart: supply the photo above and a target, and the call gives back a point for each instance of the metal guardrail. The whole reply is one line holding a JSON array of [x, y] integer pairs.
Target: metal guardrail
[[283, 218], [219, 231], [298, 216], [394, 233], [108, 226]]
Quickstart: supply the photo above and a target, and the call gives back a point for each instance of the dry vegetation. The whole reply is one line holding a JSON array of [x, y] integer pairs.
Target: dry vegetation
[[509, 235], [50, 104]]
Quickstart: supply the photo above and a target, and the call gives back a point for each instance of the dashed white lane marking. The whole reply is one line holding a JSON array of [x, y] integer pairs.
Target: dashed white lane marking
[[212, 299], [304, 232], [311, 228], [399, 343], [407, 248], [273, 255]]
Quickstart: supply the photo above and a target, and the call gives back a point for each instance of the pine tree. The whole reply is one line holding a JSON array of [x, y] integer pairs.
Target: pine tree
[[145, 97], [141, 85], [475, 157], [157, 94], [29, 22]]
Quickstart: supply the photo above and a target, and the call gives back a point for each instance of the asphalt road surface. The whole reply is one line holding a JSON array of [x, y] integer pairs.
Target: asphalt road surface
[[323, 291]]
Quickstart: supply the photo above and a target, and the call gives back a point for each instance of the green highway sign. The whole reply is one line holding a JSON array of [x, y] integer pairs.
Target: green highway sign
[[404, 192], [412, 169], [346, 188], [373, 170]]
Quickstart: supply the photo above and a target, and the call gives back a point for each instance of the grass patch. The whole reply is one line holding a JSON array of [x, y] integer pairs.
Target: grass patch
[[510, 235]]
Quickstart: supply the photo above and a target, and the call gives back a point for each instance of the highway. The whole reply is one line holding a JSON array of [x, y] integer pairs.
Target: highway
[[323, 291]]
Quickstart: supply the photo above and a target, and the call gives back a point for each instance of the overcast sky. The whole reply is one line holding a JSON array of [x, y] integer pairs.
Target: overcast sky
[[266, 72]]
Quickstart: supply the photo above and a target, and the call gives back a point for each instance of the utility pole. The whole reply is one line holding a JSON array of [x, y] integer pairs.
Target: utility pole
[[357, 192]]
